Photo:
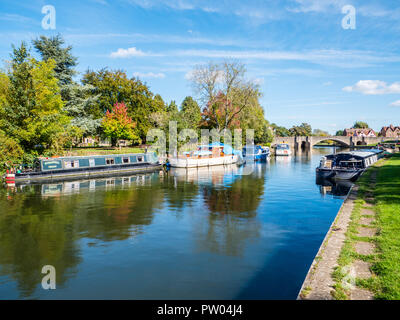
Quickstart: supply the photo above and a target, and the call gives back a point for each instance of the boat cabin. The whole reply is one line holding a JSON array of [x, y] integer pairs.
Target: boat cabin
[[282, 146], [70, 163], [351, 160]]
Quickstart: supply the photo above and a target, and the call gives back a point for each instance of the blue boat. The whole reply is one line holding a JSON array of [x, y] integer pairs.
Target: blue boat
[[255, 153], [63, 168]]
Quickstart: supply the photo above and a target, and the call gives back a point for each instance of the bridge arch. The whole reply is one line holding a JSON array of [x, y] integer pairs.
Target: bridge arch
[[342, 141]]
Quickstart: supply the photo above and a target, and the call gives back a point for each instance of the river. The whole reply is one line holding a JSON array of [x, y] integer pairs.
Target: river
[[198, 234]]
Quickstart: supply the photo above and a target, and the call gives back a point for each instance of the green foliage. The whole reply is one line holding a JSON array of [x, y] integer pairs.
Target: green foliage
[[191, 113], [360, 125], [32, 110], [115, 86], [51, 48], [339, 133], [320, 133], [78, 99], [280, 131], [254, 118], [10, 152], [78, 103], [303, 130]]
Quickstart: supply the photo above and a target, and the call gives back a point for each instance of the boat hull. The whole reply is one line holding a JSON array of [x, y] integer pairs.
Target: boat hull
[[283, 152], [338, 174], [88, 172], [202, 162], [346, 174], [325, 173]]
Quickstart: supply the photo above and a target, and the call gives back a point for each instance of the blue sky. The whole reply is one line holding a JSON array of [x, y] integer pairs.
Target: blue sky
[[309, 67]]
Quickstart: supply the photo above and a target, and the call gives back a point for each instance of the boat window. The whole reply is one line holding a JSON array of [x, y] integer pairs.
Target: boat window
[[140, 158], [71, 164], [110, 161], [282, 146], [125, 160]]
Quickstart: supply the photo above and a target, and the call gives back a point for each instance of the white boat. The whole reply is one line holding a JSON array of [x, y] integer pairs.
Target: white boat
[[283, 149], [205, 156]]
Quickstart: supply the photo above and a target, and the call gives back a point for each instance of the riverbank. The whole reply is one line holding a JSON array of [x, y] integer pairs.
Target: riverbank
[[87, 151], [360, 255]]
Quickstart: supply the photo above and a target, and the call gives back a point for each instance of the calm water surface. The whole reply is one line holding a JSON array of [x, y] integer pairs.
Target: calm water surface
[[197, 234]]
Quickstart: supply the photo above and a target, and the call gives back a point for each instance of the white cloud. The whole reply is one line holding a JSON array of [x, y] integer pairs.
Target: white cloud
[[306, 6], [15, 18], [254, 10], [159, 75], [335, 58], [395, 104], [127, 53], [373, 87], [103, 2]]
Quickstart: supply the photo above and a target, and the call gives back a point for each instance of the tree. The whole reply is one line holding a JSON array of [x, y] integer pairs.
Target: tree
[[303, 130], [360, 125], [191, 113], [78, 100], [214, 115], [118, 125], [51, 48], [115, 86], [320, 133], [32, 112], [254, 119], [10, 151], [280, 131], [224, 92], [339, 133], [4, 86]]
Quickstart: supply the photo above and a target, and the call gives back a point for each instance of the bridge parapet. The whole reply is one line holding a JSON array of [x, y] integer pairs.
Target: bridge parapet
[[307, 142]]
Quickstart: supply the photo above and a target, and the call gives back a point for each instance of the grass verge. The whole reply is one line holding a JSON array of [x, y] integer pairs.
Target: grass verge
[[385, 263], [101, 151]]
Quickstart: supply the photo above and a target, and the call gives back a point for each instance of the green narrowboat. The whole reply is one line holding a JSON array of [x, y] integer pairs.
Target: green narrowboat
[[90, 166]]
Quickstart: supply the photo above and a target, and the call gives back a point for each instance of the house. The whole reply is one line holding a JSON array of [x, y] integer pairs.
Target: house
[[88, 142], [369, 133], [391, 131]]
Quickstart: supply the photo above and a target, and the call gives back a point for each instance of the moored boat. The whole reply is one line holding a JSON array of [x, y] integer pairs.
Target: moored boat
[[213, 154], [89, 166], [283, 149], [346, 165], [255, 153]]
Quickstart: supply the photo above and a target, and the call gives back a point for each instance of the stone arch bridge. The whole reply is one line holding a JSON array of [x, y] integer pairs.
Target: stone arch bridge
[[308, 142]]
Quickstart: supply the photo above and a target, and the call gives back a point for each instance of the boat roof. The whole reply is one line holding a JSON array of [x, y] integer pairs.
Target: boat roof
[[92, 156], [360, 154], [371, 150]]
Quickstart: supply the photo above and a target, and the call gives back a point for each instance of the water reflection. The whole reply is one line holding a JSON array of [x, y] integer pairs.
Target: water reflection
[[335, 188], [44, 223]]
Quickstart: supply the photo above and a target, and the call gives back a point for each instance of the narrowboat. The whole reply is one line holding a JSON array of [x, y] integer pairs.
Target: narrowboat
[[61, 168], [346, 165], [255, 153], [213, 154], [283, 149]]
